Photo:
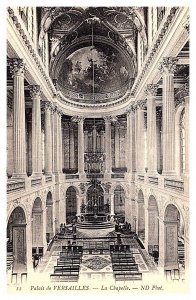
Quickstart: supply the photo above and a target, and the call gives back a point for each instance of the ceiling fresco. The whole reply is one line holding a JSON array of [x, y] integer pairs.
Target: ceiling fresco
[[94, 69]]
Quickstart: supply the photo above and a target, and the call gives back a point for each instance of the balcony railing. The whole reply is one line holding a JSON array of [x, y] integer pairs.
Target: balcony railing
[[72, 176], [48, 178], [15, 186], [118, 175], [94, 175], [36, 181], [153, 180], [140, 177], [177, 185]]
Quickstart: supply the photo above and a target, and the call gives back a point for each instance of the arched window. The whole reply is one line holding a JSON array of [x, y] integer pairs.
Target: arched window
[[182, 141]]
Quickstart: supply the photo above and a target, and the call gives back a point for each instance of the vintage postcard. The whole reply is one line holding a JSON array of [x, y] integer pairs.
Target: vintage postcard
[[97, 149]]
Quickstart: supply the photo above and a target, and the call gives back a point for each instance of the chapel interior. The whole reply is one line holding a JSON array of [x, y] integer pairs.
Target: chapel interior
[[97, 143]]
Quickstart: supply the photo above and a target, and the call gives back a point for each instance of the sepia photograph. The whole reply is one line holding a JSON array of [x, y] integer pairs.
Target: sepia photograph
[[97, 145]]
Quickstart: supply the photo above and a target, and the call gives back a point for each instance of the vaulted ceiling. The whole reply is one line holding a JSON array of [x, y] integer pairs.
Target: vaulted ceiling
[[93, 50]]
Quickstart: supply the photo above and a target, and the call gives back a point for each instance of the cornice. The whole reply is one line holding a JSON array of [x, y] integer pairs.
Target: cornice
[[157, 42]]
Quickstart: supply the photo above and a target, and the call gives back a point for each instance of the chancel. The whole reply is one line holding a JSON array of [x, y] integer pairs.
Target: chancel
[[97, 144]]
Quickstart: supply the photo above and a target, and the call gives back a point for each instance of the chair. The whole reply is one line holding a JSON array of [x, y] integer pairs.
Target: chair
[[168, 274], [23, 275], [14, 275], [176, 274]]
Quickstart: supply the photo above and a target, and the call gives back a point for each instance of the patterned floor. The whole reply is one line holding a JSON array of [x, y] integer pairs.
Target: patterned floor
[[96, 264]]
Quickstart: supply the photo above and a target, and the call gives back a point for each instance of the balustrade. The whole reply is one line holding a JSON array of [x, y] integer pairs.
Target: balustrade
[[15, 186]]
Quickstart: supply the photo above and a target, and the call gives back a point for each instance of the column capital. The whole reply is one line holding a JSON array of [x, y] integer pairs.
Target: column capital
[[47, 106], [130, 109], [151, 90], [141, 104], [17, 66], [168, 65], [35, 90], [110, 119], [77, 119]]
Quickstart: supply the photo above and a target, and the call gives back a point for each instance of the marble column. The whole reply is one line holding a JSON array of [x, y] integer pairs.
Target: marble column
[[85, 141], [187, 135], [130, 140], [159, 147], [48, 138], [102, 141], [117, 145], [60, 141], [108, 158], [80, 121], [140, 140], [53, 138], [56, 139], [151, 91], [17, 68], [94, 139], [80, 146], [35, 93], [71, 146], [167, 69]]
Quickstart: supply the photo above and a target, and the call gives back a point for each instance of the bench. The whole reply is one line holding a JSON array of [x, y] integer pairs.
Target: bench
[[64, 277], [128, 276], [123, 261], [66, 269], [132, 268]]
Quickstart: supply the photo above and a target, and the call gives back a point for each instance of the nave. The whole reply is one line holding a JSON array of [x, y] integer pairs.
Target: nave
[[116, 257]]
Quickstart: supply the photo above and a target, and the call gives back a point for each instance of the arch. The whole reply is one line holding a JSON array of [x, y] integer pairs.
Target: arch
[[141, 216], [37, 223], [153, 228], [49, 217], [95, 199], [119, 202], [124, 187], [179, 111], [140, 196], [174, 244], [16, 238], [71, 204]]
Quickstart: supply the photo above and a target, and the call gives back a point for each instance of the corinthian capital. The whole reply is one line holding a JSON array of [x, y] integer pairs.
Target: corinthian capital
[[17, 66], [168, 65], [141, 104], [151, 89], [77, 119], [47, 106], [110, 119], [35, 90]]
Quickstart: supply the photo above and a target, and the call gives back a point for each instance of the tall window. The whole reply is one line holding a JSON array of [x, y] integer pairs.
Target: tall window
[[182, 141]]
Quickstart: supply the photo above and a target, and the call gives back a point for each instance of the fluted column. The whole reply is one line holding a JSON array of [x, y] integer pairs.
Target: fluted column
[[187, 131], [48, 138], [85, 141], [108, 160], [35, 93], [102, 141], [17, 68], [151, 91], [167, 68], [117, 145], [80, 146], [56, 139], [80, 121], [60, 141], [71, 146], [130, 140], [140, 141]]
